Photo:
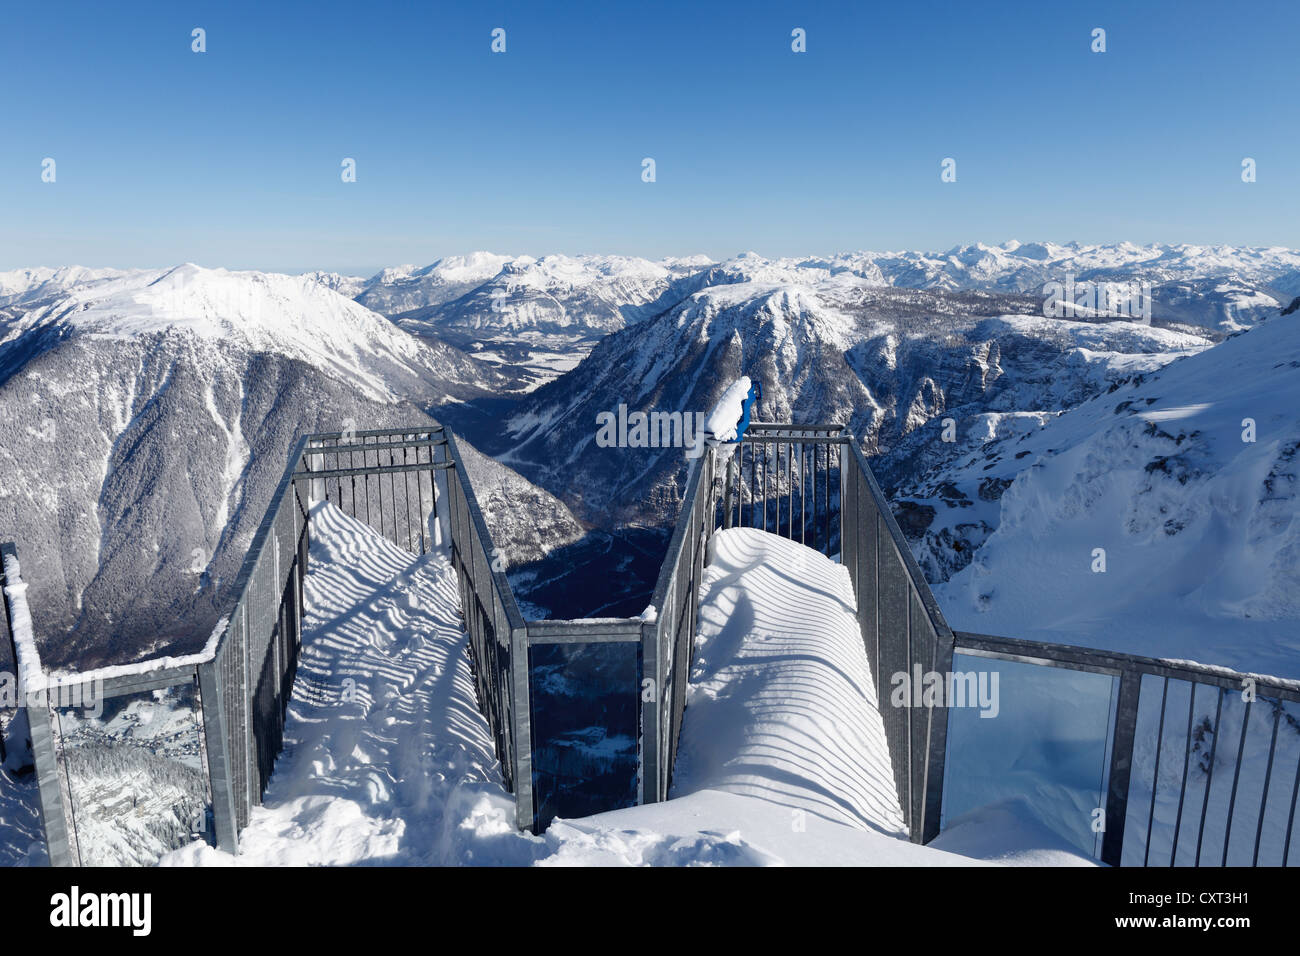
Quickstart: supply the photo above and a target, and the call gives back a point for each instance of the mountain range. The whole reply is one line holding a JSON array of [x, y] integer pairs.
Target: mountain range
[[149, 413]]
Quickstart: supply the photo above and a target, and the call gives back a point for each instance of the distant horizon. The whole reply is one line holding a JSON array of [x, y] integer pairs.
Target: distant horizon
[[372, 271]]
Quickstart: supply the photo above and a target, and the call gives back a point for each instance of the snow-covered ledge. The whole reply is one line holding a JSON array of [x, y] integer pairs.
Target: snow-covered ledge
[[32, 679]]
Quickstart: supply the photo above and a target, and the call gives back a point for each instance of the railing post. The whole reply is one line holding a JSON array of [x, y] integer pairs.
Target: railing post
[[848, 517], [651, 712], [442, 522], [937, 748], [216, 738], [522, 730], [59, 837], [1121, 766], [730, 500]]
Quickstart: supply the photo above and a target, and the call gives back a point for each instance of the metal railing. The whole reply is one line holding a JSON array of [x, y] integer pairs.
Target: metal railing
[[903, 630], [811, 484], [1142, 711], [776, 468], [807, 483], [43, 697], [246, 684], [498, 638], [244, 675], [668, 641]]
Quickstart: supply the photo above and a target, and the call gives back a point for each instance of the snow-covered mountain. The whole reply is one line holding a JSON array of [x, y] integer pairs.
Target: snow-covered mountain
[[24, 286], [889, 343], [406, 288], [883, 361], [349, 286], [147, 420], [1188, 479], [537, 316], [1219, 287]]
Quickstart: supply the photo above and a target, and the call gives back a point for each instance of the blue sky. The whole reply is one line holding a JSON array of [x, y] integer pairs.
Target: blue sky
[[232, 157]]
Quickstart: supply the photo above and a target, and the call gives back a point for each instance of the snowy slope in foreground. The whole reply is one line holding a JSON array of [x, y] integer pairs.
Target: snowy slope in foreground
[[403, 772], [1201, 529]]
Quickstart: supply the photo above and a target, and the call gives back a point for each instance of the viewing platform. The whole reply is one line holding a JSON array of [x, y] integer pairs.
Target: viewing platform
[[792, 670]]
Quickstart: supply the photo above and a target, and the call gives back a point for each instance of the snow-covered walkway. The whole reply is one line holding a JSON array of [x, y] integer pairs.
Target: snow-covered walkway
[[782, 703], [782, 756], [387, 759]]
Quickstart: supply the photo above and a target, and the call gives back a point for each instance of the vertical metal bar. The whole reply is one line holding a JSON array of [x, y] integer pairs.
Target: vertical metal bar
[[522, 730], [432, 523], [753, 484], [379, 490], [826, 478], [1121, 767], [1209, 777], [338, 483], [1155, 777], [392, 498], [803, 494], [406, 493], [215, 733], [937, 756], [1236, 776], [352, 463], [774, 462], [1187, 759], [877, 531], [441, 483], [365, 479], [419, 496], [1268, 773], [907, 710], [652, 772], [789, 487], [848, 519], [939, 661], [1290, 819], [813, 508], [728, 492]]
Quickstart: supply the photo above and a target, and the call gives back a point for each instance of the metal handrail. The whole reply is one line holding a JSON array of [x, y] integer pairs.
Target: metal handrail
[[501, 638]]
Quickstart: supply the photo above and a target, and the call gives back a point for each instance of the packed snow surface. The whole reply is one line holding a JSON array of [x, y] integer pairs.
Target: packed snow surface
[[782, 701]]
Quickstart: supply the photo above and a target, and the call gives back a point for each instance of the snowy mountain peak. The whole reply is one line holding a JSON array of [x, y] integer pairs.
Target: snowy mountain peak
[[293, 316]]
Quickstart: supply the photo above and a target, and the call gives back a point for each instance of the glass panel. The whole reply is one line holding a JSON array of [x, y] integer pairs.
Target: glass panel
[[586, 705], [135, 775], [1031, 741]]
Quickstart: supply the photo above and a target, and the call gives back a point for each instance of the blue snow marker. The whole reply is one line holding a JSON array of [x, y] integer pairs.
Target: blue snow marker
[[755, 395]]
